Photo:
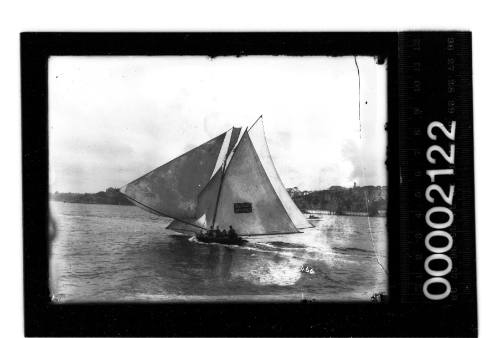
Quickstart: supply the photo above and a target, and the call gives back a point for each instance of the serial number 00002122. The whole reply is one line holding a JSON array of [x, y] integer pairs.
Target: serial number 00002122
[[435, 193]]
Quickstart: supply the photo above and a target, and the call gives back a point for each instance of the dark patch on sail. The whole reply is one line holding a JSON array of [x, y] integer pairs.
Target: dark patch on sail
[[241, 208]]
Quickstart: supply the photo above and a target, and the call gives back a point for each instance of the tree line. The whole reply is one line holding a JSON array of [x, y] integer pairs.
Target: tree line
[[339, 200], [336, 200], [110, 196]]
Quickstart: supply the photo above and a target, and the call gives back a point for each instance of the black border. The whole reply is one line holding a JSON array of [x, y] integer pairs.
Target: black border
[[43, 318]]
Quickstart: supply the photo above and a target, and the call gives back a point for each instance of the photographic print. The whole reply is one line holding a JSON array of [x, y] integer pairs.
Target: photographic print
[[248, 184], [253, 178]]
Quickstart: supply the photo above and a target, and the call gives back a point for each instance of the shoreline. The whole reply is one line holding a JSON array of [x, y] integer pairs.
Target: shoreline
[[306, 212]]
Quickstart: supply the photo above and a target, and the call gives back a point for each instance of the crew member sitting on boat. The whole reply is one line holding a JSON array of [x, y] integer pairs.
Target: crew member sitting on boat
[[231, 233], [218, 236]]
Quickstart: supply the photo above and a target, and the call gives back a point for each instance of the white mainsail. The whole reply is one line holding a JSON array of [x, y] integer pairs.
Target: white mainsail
[[248, 201]]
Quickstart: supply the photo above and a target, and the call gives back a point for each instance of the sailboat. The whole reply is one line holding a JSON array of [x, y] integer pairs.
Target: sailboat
[[228, 182]]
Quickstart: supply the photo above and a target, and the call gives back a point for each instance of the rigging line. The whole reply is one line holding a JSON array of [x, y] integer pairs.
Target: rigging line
[[161, 213], [363, 170]]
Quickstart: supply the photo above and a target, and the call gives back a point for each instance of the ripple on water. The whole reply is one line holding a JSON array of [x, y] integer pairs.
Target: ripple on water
[[120, 253]]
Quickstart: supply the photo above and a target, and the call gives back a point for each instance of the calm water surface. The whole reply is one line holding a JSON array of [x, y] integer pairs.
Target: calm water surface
[[122, 253]]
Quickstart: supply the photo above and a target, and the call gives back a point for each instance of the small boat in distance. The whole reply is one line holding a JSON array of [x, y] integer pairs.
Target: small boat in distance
[[229, 182], [314, 219]]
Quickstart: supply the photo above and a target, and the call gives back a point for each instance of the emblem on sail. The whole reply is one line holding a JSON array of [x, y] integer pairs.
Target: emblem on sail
[[228, 181]]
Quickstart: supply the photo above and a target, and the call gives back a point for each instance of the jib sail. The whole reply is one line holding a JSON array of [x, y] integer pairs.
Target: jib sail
[[258, 139]]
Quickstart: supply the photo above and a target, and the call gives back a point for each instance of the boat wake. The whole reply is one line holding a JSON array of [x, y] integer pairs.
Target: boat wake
[[285, 245], [290, 250]]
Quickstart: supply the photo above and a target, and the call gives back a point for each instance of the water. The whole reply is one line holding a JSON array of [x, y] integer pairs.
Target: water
[[121, 253]]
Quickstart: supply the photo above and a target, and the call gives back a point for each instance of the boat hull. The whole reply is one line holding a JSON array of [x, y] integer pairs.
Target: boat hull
[[223, 240]]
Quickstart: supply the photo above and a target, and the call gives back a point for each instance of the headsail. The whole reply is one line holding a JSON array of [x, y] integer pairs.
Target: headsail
[[208, 197], [173, 188], [248, 200], [258, 138]]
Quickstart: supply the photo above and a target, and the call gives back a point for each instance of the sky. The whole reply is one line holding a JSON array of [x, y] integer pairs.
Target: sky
[[112, 119]]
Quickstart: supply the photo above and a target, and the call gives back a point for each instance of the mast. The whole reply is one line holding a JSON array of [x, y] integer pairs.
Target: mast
[[253, 124], [223, 168], [218, 195]]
